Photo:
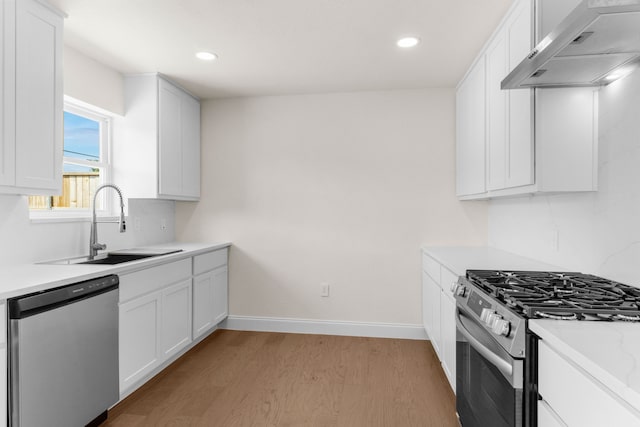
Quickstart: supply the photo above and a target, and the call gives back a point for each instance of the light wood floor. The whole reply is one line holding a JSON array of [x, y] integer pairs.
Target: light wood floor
[[271, 379]]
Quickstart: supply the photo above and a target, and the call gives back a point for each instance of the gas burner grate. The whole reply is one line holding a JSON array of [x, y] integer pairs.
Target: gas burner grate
[[564, 296]]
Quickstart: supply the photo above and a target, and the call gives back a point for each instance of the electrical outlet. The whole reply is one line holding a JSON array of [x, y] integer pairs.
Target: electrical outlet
[[324, 289]]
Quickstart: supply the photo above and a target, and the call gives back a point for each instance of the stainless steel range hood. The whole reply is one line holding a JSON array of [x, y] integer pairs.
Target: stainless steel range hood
[[598, 42]]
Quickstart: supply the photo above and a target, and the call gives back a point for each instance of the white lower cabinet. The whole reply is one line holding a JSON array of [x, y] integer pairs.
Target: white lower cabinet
[[3, 362], [139, 338], [571, 397], [438, 313], [431, 311], [165, 309], [210, 291], [202, 304], [448, 332], [210, 296], [176, 318]]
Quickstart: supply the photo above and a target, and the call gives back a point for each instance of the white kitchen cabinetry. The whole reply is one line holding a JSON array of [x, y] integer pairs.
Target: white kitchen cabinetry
[[573, 398], [176, 318], [210, 291], [157, 142], [3, 362], [32, 98], [438, 311], [139, 338], [166, 309], [155, 319], [509, 133], [533, 137], [470, 131]]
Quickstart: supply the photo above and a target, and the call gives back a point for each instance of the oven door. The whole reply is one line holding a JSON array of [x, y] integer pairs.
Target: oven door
[[488, 379]]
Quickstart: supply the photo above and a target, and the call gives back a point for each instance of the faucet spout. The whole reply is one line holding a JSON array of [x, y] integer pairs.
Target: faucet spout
[[94, 246]]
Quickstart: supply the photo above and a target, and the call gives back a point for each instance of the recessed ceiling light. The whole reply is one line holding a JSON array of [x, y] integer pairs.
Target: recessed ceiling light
[[206, 56], [408, 41]]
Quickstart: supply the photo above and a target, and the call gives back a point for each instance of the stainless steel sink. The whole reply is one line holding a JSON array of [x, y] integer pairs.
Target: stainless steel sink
[[116, 257]]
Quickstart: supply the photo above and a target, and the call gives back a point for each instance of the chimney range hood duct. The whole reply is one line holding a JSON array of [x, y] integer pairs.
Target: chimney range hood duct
[[597, 43]]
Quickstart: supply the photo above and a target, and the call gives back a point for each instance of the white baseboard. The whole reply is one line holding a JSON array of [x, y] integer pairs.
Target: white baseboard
[[324, 327]]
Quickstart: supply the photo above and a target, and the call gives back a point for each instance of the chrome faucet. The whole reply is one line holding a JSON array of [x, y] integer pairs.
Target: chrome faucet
[[94, 246]]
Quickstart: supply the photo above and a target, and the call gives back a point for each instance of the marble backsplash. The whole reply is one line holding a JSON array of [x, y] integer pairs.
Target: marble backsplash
[[599, 232]]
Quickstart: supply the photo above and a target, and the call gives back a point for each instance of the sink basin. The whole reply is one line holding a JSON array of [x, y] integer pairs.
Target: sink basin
[[115, 259]]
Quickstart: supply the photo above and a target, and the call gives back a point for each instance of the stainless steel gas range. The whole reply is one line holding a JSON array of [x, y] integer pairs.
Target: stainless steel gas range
[[496, 364]]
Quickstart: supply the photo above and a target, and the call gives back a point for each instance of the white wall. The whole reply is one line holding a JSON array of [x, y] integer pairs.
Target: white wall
[[337, 188], [24, 241], [92, 82], [596, 233]]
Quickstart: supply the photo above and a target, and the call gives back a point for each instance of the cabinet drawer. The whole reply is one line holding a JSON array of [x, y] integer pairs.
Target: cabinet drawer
[[154, 278], [576, 397], [431, 267], [209, 261]]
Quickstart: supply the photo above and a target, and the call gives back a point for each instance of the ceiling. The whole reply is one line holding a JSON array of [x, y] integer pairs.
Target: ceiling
[[276, 47]]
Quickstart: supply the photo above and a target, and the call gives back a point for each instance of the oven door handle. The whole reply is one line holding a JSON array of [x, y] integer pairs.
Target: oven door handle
[[503, 366]]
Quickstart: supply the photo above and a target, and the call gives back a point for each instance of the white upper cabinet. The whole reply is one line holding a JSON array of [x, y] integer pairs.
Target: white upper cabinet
[[519, 143], [6, 147], [470, 131], [532, 137], [157, 142], [32, 98]]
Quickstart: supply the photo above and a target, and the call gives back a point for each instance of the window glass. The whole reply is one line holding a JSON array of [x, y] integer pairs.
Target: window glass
[[85, 163], [81, 137]]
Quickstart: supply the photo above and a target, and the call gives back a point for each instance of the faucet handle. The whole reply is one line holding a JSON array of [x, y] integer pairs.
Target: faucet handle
[[99, 246]]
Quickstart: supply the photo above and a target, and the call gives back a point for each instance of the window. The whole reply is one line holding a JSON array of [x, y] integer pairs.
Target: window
[[86, 165]]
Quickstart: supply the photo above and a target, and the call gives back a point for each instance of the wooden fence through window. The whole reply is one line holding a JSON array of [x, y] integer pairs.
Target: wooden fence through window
[[77, 192]]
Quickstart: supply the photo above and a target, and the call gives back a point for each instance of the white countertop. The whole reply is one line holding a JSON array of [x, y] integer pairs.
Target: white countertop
[[462, 258], [607, 351], [23, 279]]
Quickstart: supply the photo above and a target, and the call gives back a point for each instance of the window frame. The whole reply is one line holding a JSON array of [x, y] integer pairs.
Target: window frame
[[105, 118]]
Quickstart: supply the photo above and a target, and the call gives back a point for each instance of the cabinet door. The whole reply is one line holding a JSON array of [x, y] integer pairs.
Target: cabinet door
[[448, 331], [139, 343], [38, 104], [497, 116], [190, 147], [520, 147], [432, 316], [220, 294], [203, 318], [7, 94], [169, 139], [176, 318], [470, 132], [426, 306]]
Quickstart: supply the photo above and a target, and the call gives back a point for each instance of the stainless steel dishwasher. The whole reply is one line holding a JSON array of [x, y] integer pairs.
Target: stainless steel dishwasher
[[63, 355]]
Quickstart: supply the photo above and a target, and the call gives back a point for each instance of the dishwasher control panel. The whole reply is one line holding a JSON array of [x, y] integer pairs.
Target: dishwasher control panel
[[31, 304]]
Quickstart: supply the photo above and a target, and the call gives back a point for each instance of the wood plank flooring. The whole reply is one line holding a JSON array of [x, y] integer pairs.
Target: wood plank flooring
[[238, 378]]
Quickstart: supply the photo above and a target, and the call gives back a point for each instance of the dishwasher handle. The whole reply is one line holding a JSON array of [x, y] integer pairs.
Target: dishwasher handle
[[32, 304]]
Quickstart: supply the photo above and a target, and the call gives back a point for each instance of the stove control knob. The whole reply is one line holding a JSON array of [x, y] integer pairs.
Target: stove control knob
[[492, 319], [461, 291], [501, 327], [485, 314]]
